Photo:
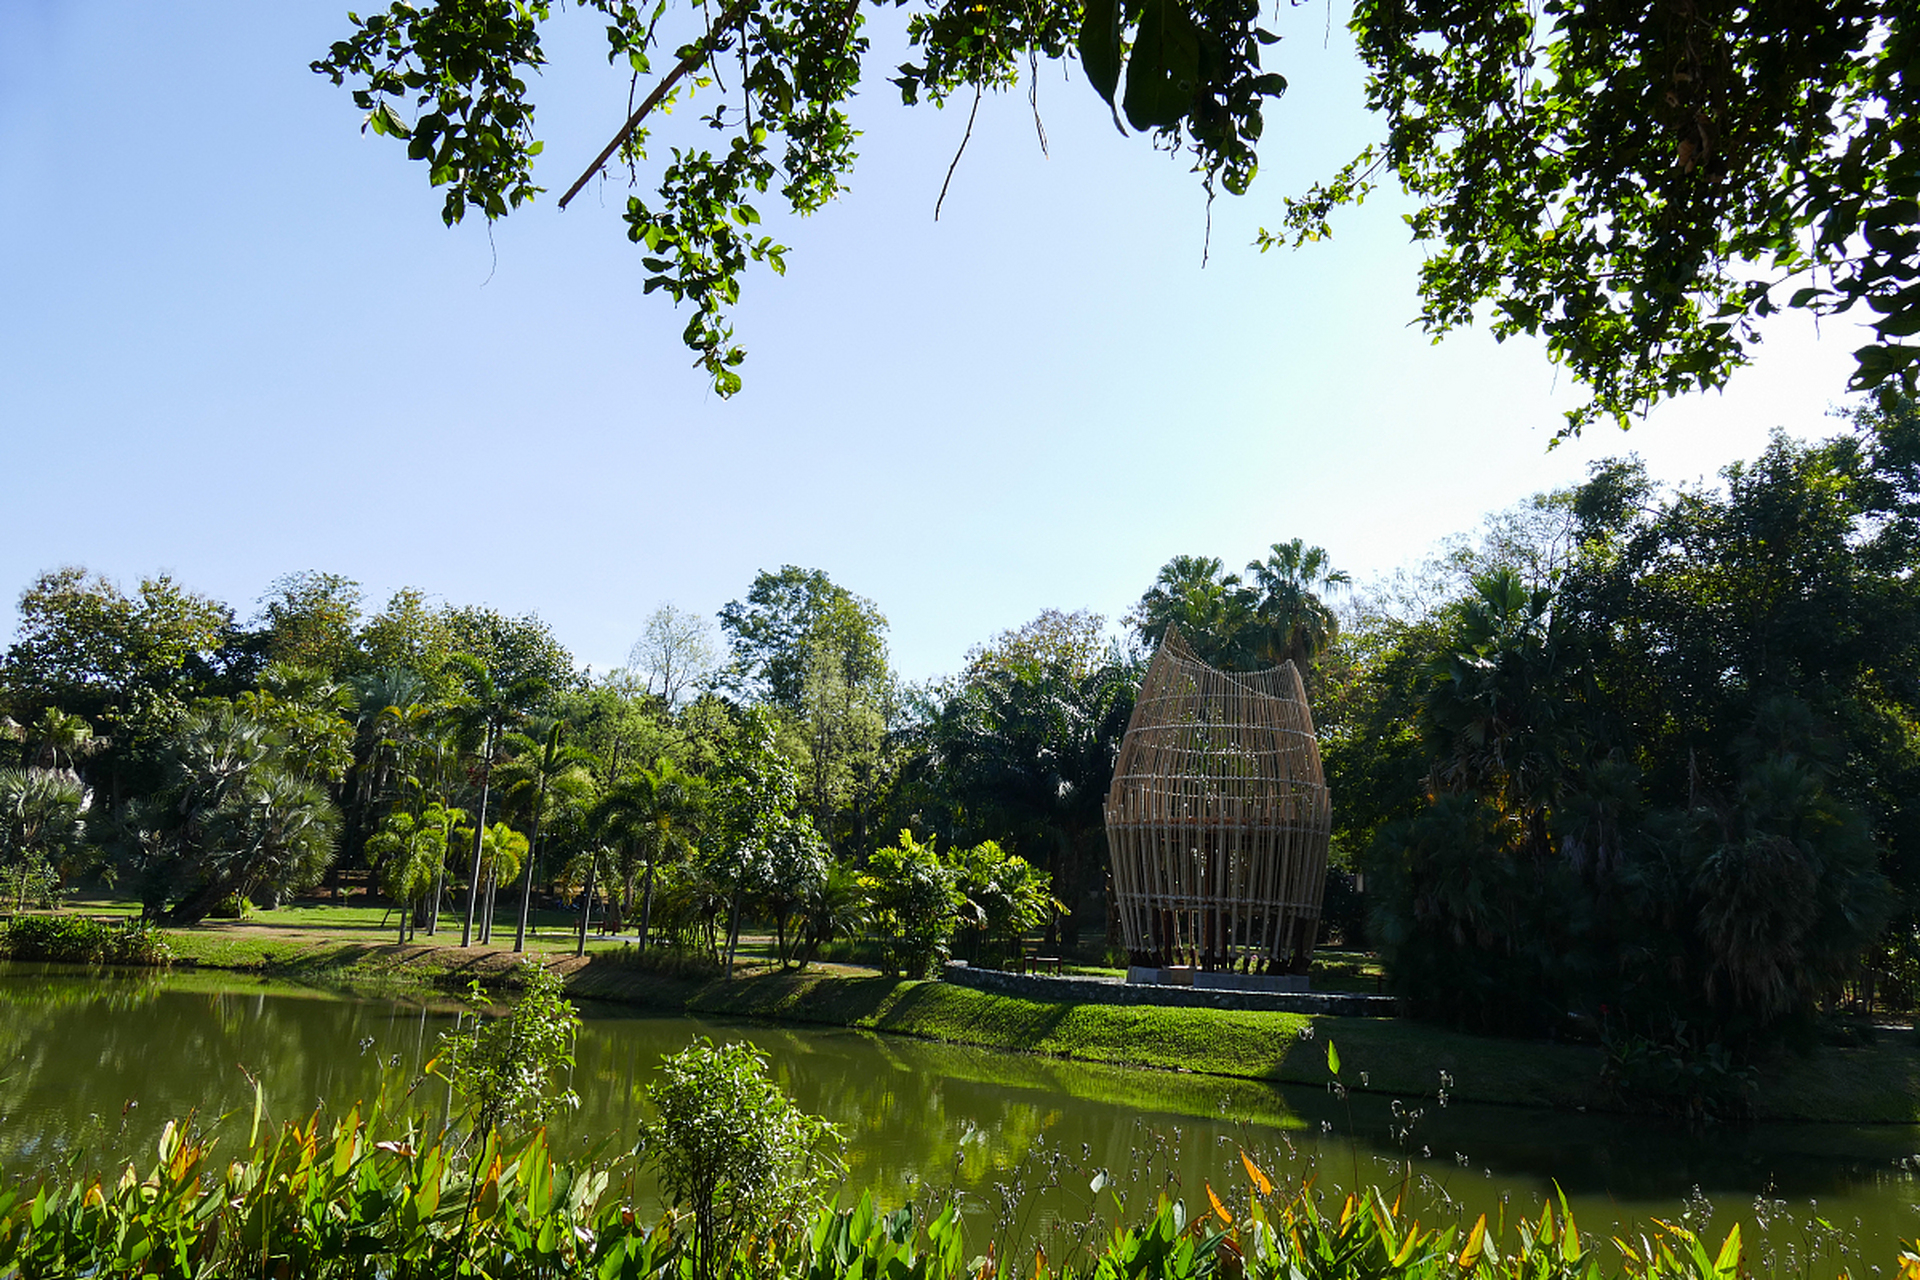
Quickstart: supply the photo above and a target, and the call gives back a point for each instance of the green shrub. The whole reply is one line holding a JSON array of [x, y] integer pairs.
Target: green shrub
[[78, 940], [505, 1067], [232, 907], [916, 906], [734, 1151], [663, 961]]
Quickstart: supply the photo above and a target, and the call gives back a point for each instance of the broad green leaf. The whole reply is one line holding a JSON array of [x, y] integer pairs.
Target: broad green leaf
[[1099, 46], [1729, 1260], [1164, 69], [1476, 1243]]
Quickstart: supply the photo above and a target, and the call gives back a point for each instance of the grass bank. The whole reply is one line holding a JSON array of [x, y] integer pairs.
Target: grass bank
[[1875, 1083]]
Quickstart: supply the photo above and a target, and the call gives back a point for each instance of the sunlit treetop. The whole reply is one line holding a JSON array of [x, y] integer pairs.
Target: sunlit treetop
[[1637, 182]]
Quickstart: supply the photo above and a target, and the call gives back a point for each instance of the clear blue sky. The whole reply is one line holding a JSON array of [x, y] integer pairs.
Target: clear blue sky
[[236, 341]]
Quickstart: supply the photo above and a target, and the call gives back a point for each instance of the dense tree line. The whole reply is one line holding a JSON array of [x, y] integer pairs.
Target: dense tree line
[[1639, 763], [1633, 763], [457, 756]]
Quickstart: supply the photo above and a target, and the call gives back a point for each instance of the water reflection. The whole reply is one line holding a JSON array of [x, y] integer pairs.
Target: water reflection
[[92, 1067]]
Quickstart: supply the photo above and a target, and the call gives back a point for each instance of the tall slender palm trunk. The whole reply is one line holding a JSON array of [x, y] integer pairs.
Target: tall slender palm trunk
[[479, 832], [486, 920], [533, 847], [646, 906], [586, 907]]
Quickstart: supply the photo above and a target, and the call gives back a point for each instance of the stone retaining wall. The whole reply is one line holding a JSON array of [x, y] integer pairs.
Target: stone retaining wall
[[1082, 990]]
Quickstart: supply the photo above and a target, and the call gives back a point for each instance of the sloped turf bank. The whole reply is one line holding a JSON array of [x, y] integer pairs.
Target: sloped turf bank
[[1878, 1083], [1870, 1084], [1400, 1058]]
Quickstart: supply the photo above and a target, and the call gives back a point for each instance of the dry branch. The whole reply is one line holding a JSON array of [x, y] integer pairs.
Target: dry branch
[[697, 55]]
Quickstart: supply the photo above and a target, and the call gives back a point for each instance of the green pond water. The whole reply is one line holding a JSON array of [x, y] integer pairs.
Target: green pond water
[[91, 1066]]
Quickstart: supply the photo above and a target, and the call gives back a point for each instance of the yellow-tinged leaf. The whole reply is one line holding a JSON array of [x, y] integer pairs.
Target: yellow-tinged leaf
[[1407, 1246], [1039, 1262], [1383, 1224], [1226, 1215], [1570, 1249], [1261, 1182], [1476, 1244], [259, 1102], [1729, 1260], [1909, 1266]]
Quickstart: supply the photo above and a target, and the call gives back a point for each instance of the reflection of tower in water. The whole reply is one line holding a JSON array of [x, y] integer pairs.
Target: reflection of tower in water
[[1218, 824]]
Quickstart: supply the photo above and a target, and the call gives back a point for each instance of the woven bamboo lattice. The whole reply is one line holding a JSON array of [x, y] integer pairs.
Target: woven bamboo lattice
[[1218, 820]]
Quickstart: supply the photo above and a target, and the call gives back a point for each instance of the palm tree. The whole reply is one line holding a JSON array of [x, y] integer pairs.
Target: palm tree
[[414, 852], [42, 818], [540, 769], [391, 713], [291, 831], [1294, 622], [236, 818], [61, 741], [1212, 609], [1028, 753], [503, 853], [838, 907], [652, 813], [482, 712], [1499, 704]]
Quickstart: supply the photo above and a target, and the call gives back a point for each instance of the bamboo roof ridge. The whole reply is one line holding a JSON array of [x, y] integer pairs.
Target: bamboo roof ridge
[[1218, 819]]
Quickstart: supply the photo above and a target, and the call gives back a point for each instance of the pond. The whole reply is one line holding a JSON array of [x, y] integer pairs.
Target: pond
[[92, 1066]]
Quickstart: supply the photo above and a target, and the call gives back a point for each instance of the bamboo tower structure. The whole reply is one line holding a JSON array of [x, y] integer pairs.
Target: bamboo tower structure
[[1218, 819]]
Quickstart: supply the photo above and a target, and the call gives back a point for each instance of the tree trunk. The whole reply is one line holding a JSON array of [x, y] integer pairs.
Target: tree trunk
[[533, 845], [439, 894], [486, 922], [479, 830], [733, 931], [198, 905], [586, 908], [646, 906]]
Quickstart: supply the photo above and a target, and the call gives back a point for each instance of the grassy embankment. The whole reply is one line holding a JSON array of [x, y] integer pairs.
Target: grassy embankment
[[345, 947]]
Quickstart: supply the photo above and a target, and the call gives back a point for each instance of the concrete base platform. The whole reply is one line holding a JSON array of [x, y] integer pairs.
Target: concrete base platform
[[1087, 990], [1186, 976], [1250, 981]]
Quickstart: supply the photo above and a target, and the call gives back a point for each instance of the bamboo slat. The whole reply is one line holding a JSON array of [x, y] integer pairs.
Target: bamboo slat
[[1218, 820]]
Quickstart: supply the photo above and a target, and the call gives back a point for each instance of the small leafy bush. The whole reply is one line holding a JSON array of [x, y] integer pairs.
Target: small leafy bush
[[505, 1067], [232, 907], [663, 961], [78, 940], [734, 1151], [916, 906], [1679, 1073]]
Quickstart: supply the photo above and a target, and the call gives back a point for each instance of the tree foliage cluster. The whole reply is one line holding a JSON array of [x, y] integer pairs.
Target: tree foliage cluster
[[1640, 763], [1637, 185]]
